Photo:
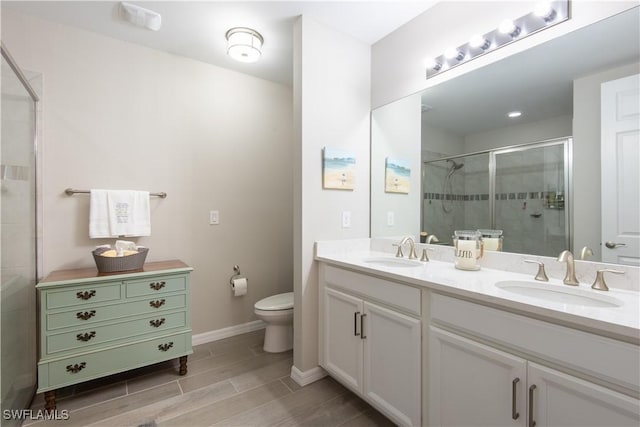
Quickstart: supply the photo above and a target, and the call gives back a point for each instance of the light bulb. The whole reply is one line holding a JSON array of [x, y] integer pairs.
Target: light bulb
[[509, 27], [453, 53], [544, 10], [479, 42], [432, 64]]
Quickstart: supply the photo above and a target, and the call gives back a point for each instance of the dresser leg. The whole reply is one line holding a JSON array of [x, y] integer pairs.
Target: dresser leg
[[183, 365], [50, 399]]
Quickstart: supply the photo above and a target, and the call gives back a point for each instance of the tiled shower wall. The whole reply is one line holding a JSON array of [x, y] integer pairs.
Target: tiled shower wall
[[529, 185]]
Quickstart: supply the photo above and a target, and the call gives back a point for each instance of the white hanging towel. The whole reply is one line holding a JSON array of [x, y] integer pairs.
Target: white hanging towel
[[119, 213]]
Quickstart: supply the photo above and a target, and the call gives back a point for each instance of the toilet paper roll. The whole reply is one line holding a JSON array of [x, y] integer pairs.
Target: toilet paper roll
[[239, 286]]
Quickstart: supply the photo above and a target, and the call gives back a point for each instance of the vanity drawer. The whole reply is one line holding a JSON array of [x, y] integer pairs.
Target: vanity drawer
[[390, 293], [113, 311], [100, 334], [96, 364], [155, 285], [83, 295]]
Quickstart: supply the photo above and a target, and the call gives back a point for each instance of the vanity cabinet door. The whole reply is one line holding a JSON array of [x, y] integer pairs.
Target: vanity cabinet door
[[392, 362], [471, 384], [564, 400], [342, 340]]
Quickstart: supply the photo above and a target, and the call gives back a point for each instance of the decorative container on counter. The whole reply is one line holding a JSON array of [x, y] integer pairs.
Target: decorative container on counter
[[491, 240], [468, 249]]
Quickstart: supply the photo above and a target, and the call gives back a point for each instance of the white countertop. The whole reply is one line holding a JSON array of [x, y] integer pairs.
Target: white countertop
[[621, 322]]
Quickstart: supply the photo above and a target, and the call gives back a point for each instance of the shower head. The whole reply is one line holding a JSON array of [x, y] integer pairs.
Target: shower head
[[455, 166]]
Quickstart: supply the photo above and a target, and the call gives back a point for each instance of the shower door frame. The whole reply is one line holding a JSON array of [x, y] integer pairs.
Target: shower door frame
[[566, 141]]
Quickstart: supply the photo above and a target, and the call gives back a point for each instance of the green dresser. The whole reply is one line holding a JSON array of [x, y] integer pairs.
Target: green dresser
[[93, 325]]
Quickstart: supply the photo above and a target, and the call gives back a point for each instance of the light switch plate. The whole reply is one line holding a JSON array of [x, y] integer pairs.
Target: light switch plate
[[214, 217], [391, 218], [346, 219]]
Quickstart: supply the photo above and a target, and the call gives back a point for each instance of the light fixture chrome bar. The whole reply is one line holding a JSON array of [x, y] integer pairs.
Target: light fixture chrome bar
[[558, 11]]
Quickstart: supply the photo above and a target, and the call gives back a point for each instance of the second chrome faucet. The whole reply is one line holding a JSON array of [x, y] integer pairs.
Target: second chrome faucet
[[570, 277]]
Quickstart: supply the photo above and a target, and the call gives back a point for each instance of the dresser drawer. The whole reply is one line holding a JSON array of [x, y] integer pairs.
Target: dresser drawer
[[84, 367], [100, 334], [83, 295], [83, 316], [155, 285]]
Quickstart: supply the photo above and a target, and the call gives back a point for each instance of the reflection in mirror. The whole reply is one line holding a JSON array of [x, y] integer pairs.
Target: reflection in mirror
[[556, 87]]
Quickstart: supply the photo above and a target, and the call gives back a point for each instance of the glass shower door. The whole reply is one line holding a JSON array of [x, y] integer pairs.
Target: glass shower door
[[18, 240], [531, 185]]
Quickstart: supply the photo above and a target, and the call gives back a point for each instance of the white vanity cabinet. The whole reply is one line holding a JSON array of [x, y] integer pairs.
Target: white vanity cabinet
[[370, 340], [509, 379]]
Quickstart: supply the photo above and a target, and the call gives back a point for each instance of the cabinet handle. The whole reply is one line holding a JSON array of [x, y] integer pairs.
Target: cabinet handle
[[532, 423], [86, 315], [355, 323], [362, 335], [165, 347], [74, 369], [86, 294], [514, 414], [86, 336], [157, 303], [156, 286], [156, 322]]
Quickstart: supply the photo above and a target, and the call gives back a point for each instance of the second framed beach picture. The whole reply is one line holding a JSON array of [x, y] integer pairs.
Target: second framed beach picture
[[338, 169], [397, 176]]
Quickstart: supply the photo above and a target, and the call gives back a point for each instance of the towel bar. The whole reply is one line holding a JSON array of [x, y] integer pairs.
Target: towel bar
[[71, 192]]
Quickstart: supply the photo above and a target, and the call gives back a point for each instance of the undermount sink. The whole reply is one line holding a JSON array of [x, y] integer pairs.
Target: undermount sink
[[393, 262], [559, 293]]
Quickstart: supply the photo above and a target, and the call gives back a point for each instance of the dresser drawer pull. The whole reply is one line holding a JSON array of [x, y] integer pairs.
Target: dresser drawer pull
[[86, 294], [74, 369], [157, 303], [166, 346], [156, 286], [86, 336], [156, 322], [85, 315]]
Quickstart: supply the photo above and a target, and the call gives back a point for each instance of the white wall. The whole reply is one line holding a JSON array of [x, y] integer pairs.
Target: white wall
[[331, 108], [395, 132], [586, 157], [118, 115], [437, 142], [397, 60]]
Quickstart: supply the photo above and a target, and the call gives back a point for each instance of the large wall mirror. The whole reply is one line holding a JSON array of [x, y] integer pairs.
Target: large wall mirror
[[536, 176]]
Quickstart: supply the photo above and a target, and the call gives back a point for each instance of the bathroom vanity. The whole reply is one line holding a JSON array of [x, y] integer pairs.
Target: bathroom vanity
[[93, 325], [428, 344]]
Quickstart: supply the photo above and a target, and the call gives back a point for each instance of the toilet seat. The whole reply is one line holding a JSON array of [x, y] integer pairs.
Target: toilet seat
[[276, 302]]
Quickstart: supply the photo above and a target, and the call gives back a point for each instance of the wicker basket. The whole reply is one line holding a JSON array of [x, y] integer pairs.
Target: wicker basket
[[122, 263]]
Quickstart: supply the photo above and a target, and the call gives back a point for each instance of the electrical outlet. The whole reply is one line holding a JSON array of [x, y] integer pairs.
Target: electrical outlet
[[346, 219], [214, 217], [390, 218]]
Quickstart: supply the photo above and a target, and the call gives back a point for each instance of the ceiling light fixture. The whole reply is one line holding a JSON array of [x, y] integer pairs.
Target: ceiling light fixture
[[244, 44], [546, 14], [514, 114]]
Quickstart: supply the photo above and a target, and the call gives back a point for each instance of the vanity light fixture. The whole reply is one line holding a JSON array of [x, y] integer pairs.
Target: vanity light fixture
[[244, 44], [514, 114], [545, 15]]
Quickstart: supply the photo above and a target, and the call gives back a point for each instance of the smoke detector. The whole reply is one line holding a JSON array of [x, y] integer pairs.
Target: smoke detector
[[140, 16]]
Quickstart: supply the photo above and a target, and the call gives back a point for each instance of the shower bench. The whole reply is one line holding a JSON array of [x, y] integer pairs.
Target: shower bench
[[93, 325]]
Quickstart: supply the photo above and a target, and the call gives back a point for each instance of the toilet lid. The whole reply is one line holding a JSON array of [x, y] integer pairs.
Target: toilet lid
[[276, 302]]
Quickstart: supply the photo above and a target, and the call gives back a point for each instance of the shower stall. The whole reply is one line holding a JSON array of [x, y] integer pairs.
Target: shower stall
[[18, 262], [521, 189]]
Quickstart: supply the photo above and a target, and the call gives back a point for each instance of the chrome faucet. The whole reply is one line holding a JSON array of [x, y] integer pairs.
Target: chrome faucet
[[412, 243], [431, 238], [570, 277]]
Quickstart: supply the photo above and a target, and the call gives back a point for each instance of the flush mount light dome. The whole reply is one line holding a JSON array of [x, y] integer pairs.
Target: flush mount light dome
[[244, 44]]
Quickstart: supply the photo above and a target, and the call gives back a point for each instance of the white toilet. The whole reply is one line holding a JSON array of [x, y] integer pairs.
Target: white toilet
[[277, 312]]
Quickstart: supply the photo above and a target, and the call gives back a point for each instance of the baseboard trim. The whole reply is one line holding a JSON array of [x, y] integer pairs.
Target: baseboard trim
[[230, 331], [307, 377]]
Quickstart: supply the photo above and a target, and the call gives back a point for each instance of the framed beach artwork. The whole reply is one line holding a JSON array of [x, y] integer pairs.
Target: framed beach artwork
[[338, 169], [397, 174]]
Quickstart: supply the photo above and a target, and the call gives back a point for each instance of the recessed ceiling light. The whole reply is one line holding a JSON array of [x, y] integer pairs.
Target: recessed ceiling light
[[514, 114]]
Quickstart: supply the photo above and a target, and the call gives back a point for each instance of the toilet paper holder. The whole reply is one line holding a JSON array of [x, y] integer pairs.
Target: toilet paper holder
[[236, 268]]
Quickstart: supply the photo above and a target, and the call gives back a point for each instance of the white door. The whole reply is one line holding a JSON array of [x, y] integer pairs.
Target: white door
[[471, 384], [342, 338], [392, 363], [563, 400], [620, 164]]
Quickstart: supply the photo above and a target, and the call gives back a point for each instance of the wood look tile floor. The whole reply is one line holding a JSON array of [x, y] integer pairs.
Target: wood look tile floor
[[231, 382]]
